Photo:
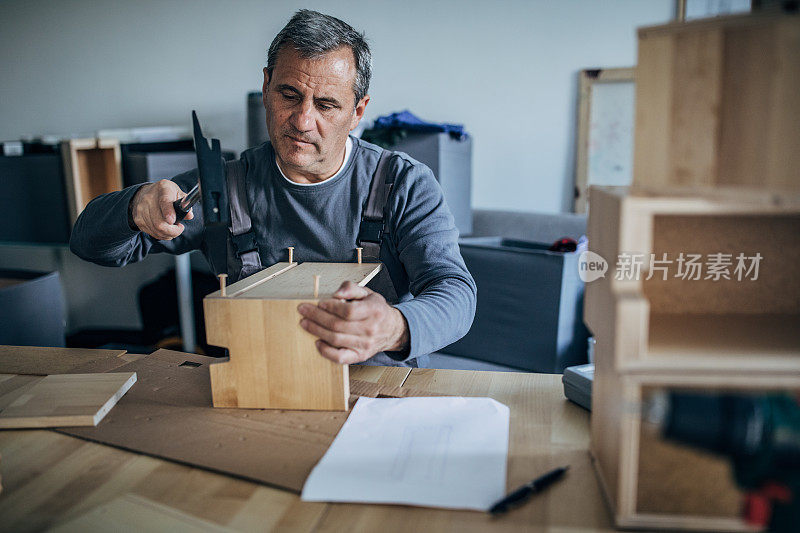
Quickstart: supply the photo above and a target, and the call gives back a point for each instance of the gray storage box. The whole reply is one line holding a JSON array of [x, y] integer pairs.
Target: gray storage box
[[450, 159], [31, 309], [530, 306], [33, 199], [154, 166]]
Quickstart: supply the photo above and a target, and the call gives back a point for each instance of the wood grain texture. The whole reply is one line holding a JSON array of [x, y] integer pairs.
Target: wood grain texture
[[297, 283], [546, 431], [657, 484], [60, 400], [135, 513], [274, 363], [716, 104], [394, 376], [169, 414], [678, 333], [243, 285], [50, 478], [704, 324], [91, 167]]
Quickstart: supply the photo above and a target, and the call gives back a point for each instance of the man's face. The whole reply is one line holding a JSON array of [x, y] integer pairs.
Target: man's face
[[310, 111]]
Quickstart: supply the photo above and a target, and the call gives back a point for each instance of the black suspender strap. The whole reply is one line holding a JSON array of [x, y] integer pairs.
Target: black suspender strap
[[242, 235], [373, 219]]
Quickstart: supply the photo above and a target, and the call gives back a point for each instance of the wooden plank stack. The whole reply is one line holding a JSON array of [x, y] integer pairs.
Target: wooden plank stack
[[274, 363], [715, 178]]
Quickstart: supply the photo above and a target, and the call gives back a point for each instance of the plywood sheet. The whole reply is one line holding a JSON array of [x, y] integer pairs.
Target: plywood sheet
[[274, 363], [169, 415], [298, 283], [60, 400], [134, 513]]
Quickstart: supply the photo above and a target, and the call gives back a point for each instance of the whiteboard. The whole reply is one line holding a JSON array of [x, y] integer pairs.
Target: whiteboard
[[611, 120]]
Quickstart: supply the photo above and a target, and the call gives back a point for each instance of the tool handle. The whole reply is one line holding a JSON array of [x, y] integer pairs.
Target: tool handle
[[180, 214]]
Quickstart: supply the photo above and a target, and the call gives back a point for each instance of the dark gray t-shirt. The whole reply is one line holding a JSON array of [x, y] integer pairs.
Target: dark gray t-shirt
[[436, 294]]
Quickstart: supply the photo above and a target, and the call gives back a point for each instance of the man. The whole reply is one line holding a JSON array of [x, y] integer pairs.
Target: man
[[308, 188]]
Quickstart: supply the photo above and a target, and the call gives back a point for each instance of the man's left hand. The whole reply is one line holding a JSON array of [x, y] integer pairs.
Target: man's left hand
[[354, 325]]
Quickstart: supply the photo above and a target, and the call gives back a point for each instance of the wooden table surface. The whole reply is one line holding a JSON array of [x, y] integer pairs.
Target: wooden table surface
[[56, 481]]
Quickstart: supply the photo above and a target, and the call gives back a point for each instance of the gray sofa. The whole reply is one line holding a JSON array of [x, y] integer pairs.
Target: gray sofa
[[536, 227]]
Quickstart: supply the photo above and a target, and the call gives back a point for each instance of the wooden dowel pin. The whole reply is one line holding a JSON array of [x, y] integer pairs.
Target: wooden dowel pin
[[222, 284], [316, 286], [358, 251], [291, 254]]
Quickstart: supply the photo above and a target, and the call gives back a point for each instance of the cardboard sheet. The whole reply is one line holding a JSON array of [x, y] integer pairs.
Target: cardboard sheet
[[168, 414], [433, 452], [47, 361]]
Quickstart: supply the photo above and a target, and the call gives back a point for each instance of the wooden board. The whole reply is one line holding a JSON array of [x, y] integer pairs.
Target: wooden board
[[91, 167], [60, 400], [546, 431], [50, 478], [725, 325], [716, 104], [135, 513], [274, 363], [293, 281], [169, 414], [652, 483]]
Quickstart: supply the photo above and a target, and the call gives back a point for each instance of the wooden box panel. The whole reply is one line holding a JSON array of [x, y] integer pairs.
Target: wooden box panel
[[91, 167], [274, 363], [716, 104], [653, 483], [668, 322]]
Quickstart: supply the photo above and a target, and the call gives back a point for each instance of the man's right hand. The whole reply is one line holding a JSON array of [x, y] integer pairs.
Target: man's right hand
[[152, 210]]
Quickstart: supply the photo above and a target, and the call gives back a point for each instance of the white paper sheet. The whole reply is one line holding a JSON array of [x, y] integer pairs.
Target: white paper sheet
[[434, 452]]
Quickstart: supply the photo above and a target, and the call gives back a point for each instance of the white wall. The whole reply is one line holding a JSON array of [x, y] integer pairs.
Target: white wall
[[505, 69]]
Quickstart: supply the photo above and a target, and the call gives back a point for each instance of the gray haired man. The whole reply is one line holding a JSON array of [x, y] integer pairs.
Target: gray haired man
[[309, 187]]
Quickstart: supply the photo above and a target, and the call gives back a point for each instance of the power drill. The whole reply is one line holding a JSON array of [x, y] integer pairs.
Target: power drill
[[759, 433]]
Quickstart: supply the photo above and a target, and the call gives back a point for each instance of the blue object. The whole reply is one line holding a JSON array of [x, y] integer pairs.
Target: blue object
[[409, 121]]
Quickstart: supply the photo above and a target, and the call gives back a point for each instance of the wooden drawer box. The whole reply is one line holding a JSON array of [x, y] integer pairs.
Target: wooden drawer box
[[717, 105], [650, 482], [672, 321], [274, 363]]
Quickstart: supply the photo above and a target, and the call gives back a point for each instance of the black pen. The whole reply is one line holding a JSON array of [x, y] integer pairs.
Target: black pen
[[528, 489]]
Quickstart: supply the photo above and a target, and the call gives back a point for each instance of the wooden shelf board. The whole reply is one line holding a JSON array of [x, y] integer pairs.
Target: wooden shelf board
[[298, 283], [683, 337]]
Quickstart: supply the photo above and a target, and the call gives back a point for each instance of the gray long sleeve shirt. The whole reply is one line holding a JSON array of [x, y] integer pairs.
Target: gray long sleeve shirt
[[436, 293]]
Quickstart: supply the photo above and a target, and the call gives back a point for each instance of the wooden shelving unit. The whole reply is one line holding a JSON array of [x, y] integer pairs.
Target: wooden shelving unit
[[716, 104], [697, 324], [652, 483], [715, 176]]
